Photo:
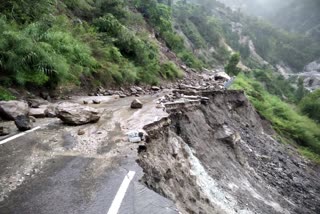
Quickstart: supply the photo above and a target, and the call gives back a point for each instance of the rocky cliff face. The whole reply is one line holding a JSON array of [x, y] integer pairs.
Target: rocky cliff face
[[220, 157]]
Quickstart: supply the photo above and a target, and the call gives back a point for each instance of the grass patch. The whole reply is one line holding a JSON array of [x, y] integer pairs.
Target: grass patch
[[309, 154], [288, 123]]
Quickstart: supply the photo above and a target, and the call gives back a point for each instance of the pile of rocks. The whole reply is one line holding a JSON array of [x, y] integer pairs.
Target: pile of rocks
[[205, 81], [193, 87], [24, 113], [126, 92], [122, 93]]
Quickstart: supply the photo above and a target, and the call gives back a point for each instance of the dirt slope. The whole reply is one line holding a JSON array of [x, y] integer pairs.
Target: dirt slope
[[219, 158]]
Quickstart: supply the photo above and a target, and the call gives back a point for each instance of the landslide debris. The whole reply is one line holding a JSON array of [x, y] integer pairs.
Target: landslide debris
[[220, 157]]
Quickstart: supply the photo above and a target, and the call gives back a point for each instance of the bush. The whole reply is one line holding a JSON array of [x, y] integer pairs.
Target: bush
[[275, 84], [26, 11], [232, 67], [310, 105], [5, 94], [159, 16], [170, 71], [38, 54]]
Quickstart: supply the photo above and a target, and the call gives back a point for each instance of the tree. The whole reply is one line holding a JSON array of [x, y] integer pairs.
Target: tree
[[231, 68], [301, 91], [310, 105]]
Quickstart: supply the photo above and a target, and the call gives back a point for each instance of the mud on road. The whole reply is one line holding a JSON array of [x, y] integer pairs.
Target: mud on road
[[55, 170]]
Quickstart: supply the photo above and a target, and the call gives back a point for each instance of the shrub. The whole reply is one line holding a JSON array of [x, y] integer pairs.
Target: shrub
[[170, 71], [38, 54], [310, 105], [5, 94], [231, 68]]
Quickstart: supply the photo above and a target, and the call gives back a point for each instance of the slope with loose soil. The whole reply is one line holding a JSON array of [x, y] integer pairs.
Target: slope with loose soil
[[220, 157]]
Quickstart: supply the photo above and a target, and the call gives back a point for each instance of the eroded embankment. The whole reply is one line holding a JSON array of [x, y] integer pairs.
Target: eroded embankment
[[218, 157]]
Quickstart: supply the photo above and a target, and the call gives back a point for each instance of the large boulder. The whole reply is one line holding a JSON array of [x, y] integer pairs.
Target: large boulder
[[9, 110], [23, 122], [76, 114], [136, 104]]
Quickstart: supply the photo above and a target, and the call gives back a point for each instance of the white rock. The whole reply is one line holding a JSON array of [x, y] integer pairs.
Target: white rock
[[76, 114]]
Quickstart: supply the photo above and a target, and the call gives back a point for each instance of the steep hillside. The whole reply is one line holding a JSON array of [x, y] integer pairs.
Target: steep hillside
[[86, 43]]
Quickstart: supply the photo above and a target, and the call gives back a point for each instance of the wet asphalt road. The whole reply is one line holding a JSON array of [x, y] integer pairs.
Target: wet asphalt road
[[48, 172]]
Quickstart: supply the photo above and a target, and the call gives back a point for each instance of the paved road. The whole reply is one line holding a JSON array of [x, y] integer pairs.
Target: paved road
[[53, 170]]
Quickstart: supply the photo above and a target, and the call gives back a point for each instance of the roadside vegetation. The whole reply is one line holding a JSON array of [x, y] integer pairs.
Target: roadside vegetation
[[291, 125], [50, 43]]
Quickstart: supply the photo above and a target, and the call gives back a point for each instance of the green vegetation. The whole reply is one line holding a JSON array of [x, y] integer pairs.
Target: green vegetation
[[288, 123], [310, 105], [5, 94], [50, 43], [275, 84], [169, 70], [276, 45], [159, 15], [38, 54], [202, 29], [309, 154], [231, 68]]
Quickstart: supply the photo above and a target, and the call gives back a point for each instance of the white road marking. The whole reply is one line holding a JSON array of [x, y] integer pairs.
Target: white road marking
[[19, 135], [116, 203]]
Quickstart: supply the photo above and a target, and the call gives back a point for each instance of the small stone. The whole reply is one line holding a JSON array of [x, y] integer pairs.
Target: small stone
[[85, 102], [4, 131], [122, 95], [133, 90], [116, 96], [81, 132], [45, 95], [33, 119], [160, 105], [136, 104], [96, 101], [50, 111], [138, 88], [155, 88]]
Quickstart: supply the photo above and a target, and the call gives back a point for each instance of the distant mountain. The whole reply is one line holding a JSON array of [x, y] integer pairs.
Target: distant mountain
[[292, 15], [299, 16]]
